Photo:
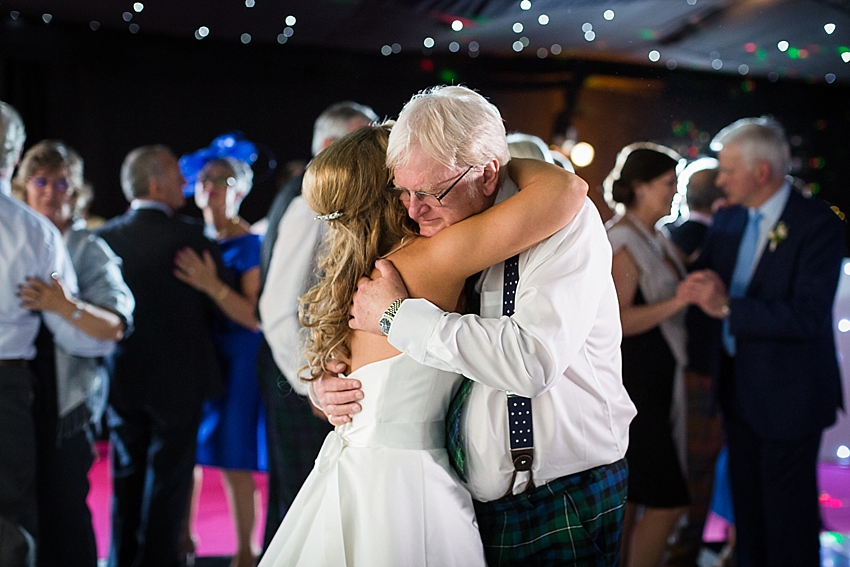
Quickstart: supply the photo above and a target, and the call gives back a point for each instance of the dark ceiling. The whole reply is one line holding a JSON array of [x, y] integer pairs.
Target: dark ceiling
[[734, 37]]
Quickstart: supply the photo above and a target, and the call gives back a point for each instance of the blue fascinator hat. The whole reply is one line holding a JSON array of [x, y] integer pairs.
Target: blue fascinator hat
[[230, 146]]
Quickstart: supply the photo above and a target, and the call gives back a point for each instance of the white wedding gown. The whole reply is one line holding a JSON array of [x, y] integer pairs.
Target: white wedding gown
[[382, 492]]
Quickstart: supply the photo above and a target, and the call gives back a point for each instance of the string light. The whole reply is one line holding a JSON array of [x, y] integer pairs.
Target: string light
[[608, 15]]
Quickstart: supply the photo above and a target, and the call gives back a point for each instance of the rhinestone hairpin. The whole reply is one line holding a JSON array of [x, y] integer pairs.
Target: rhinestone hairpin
[[329, 216]]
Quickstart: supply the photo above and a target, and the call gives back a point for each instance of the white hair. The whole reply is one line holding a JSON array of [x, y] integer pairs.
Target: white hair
[[335, 122], [527, 146], [12, 137], [758, 139], [455, 126]]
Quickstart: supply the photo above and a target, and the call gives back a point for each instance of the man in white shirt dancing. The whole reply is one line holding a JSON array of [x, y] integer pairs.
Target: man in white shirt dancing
[[560, 500], [30, 246]]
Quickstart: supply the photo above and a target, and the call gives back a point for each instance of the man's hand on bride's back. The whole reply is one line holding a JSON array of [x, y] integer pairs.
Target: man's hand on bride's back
[[374, 296], [338, 396]]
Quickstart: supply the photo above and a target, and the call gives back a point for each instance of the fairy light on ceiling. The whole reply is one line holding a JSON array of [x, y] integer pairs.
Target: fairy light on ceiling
[[746, 59]]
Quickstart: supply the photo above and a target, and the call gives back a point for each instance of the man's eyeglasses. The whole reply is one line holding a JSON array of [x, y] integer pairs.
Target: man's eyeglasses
[[430, 199], [60, 185], [218, 182]]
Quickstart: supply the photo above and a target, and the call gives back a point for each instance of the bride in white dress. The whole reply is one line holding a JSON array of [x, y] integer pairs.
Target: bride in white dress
[[382, 492]]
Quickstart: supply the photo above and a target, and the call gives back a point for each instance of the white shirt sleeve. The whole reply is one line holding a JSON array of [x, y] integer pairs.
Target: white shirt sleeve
[[558, 295], [291, 273]]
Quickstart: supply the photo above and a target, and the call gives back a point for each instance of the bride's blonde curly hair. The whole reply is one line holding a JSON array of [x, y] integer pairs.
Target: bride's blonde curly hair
[[346, 186]]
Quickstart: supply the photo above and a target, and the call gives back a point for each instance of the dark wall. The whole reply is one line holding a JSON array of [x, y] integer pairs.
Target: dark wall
[[108, 92]]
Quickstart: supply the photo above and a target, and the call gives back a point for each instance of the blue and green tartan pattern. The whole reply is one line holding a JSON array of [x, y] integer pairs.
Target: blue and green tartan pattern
[[454, 439], [574, 520]]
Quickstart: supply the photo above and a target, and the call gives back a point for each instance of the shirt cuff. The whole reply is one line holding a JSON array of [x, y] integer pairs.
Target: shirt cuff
[[412, 327], [312, 395]]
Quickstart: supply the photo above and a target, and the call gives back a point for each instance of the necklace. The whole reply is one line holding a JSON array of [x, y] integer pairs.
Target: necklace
[[657, 243], [231, 229], [653, 240], [402, 243]]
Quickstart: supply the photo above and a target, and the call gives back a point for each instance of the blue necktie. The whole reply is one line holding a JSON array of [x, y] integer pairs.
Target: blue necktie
[[744, 266]]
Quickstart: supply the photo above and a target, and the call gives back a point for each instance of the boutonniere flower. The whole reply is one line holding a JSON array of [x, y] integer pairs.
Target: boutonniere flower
[[777, 234]]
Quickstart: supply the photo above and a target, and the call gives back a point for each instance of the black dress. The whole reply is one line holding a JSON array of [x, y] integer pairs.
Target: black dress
[[649, 367]]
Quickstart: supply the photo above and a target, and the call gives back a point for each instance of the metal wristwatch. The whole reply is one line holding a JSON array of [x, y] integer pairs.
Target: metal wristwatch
[[387, 318]]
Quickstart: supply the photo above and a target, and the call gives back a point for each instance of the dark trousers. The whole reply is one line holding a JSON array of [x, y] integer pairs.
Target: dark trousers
[[294, 437], [152, 466], [66, 535], [17, 464], [774, 494]]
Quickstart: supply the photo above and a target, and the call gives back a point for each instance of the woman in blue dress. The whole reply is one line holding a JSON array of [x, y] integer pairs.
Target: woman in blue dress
[[231, 435]]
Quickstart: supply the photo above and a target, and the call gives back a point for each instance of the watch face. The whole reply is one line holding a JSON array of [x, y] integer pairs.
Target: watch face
[[384, 324]]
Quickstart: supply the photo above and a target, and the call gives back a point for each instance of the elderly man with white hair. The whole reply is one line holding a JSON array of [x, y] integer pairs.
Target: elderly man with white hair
[[767, 275], [540, 430]]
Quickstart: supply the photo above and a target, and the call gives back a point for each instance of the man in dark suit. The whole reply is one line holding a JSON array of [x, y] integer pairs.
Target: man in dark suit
[[779, 256], [294, 434], [163, 371]]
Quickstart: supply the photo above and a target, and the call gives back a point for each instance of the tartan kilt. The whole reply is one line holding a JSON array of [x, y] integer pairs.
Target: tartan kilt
[[574, 520]]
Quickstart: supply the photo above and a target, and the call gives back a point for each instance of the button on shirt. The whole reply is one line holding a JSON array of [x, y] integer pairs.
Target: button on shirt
[[561, 348], [30, 246]]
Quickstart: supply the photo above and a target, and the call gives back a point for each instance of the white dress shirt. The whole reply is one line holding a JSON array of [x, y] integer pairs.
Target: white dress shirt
[[291, 273], [771, 211], [561, 348], [31, 246]]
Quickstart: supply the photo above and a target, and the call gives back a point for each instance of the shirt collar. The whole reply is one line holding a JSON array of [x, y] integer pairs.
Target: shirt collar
[[138, 204], [772, 209], [5, 187], [507, 189], [700, 217]]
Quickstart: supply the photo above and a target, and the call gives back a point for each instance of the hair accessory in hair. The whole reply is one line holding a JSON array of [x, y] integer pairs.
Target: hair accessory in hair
[[232, 145], [330, 216]]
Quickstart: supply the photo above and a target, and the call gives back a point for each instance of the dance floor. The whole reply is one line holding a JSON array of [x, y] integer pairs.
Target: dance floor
[[212, 525], [215, 528]]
